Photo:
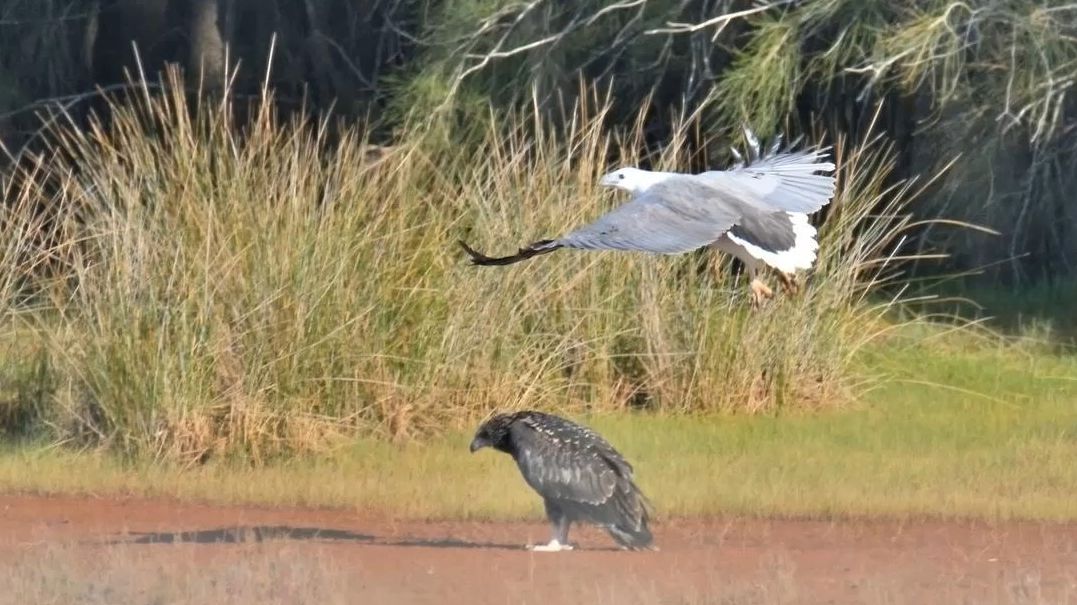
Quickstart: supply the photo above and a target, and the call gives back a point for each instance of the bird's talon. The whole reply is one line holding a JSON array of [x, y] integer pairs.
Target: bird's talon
[[789, 283], [553, 546], [760, 292]]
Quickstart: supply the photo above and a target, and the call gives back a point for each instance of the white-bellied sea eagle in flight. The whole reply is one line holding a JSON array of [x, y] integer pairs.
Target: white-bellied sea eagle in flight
[[755, 210]]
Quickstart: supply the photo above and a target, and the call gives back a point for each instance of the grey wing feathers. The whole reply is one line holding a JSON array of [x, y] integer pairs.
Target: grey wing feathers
[[675, 216], [583, 475], [784, 181], [563, 463]]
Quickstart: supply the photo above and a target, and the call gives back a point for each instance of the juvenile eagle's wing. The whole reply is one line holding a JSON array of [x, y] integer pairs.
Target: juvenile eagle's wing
[[582, 476], [564, 461]]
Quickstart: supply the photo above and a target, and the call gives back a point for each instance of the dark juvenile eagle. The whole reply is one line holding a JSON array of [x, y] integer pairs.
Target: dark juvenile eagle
[[579, 475]]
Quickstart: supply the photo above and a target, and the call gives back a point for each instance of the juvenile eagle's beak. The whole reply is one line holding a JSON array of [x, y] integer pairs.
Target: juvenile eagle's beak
[[476, 444]]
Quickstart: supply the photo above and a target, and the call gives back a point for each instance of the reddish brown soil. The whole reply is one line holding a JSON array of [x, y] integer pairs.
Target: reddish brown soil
[[717, 561]]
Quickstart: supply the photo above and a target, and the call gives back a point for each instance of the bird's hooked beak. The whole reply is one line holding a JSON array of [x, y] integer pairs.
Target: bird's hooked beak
[[477, 444], [608, 180]]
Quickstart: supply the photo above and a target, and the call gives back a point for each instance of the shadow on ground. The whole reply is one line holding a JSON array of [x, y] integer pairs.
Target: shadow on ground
[[244, 535], [267, 533]]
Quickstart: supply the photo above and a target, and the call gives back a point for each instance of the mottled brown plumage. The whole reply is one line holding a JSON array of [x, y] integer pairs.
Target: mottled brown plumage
[[579, 475]]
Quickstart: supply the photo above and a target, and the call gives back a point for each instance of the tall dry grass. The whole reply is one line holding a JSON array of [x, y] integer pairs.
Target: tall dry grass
[[251, 289], [25, 250]]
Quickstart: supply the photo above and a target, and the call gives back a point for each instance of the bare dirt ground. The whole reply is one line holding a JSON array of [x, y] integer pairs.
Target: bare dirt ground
[[63, 549]]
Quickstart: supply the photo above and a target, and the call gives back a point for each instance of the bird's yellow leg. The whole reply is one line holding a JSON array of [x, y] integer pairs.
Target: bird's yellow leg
[[789, 282], [760, 292]]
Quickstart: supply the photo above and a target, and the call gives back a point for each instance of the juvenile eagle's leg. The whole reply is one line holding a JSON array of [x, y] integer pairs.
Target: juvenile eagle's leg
[[560, 523]]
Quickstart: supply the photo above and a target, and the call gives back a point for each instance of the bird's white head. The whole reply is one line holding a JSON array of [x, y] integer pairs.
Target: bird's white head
[[633, 180]]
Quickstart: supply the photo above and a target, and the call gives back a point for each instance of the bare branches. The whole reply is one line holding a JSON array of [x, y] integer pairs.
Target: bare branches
[[59, 107], [501, 54], [66, 102], [481, 60], [484, 60], [930, 48], [1022, 66], [1038, 82], [47, 20], [720, 22], [615, 7]]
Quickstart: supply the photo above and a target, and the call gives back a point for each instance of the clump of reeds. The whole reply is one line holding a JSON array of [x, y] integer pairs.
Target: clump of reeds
[[259, 288]]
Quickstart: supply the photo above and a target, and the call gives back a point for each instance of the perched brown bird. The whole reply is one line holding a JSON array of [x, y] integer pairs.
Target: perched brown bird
[[580, 477]]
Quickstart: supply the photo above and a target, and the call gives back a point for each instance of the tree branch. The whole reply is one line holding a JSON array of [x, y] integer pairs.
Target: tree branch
[[721, 20]]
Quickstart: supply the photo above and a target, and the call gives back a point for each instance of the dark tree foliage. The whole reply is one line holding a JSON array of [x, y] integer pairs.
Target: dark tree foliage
[[990, 80]]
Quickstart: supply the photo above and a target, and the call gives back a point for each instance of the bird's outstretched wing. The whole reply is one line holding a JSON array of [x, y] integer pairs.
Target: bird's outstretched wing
[[777, 180], [677, 215]]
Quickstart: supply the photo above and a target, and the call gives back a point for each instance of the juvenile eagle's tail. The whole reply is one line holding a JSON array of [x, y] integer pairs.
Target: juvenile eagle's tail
[[636, 538], [629, 528]]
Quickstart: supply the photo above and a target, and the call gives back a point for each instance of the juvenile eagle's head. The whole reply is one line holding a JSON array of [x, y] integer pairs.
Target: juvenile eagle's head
[[494, 433]]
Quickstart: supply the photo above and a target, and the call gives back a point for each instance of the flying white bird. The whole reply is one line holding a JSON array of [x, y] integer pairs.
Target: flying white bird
[[755, 210]]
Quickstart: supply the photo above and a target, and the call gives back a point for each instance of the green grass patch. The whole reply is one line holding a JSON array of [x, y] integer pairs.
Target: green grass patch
[[1040, 313], [960, 428]]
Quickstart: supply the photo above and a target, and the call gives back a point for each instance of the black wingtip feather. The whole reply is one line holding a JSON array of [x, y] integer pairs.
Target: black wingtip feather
[[538, 248]]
